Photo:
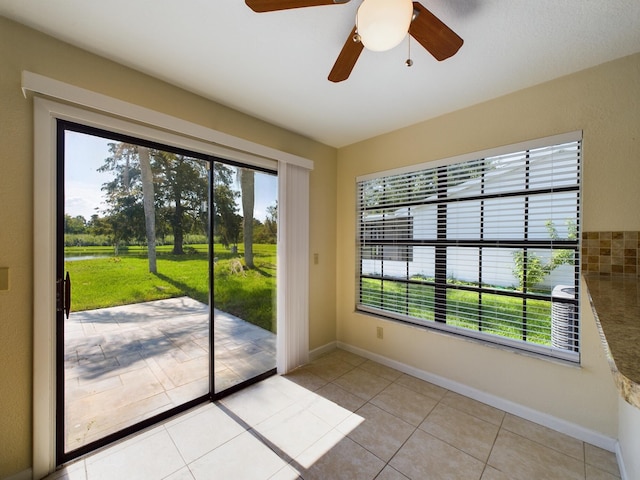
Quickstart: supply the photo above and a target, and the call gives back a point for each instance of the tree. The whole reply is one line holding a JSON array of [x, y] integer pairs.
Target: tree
[[125, 213], [148, 200], [271, 222], [183, 187], [536, 269], [226, 221], [99, 226], [74, 225], [247, 186], [125, 218], [178, 194], [379, 194]]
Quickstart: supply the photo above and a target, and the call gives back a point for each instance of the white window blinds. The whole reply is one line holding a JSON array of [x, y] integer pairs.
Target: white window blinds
[[485, 247]]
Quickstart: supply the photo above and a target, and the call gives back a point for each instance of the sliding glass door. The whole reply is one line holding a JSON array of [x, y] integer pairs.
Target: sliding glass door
[[165, 283], [244, 286]]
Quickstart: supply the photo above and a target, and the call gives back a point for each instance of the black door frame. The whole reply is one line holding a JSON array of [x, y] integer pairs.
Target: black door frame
[[60, 455]]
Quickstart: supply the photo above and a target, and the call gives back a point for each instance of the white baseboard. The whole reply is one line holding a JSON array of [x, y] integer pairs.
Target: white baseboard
[[541, 418], [24, 475], [318, 352], [620, 458]]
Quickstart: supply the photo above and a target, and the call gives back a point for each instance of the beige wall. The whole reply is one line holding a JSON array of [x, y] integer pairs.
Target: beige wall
[[25, 49], [604, 103]]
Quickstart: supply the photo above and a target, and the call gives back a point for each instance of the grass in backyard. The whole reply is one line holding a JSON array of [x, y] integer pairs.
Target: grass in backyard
[[496, 314], [111, 281], [250, 294]]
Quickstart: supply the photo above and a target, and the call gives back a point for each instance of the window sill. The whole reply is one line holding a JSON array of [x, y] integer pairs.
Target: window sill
[[460, 335]]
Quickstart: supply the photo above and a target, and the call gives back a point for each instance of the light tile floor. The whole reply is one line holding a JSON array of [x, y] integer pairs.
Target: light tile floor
[[125, 364], [345, 417]]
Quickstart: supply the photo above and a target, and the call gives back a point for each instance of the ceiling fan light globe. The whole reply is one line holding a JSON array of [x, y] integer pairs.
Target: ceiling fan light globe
[[382, 24]]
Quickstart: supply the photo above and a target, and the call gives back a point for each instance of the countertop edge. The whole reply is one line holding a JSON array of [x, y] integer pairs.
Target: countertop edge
[[628, 389]]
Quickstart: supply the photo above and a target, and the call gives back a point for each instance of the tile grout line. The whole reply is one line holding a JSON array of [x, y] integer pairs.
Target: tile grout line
[[184, 462], [416, 428], [291, 462], [500, 426], [493, 444]]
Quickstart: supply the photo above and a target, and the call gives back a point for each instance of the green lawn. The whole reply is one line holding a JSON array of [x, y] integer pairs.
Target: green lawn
[[111, 281], [499, 315], [125, 279]]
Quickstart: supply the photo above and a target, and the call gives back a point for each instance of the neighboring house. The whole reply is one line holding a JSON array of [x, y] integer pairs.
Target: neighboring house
[[499, 222]]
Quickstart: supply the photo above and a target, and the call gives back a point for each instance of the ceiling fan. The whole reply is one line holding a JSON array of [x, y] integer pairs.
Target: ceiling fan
[[380, 25]]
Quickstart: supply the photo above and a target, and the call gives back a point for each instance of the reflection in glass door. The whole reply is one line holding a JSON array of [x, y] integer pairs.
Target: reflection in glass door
[[244, 286], [154, 249]]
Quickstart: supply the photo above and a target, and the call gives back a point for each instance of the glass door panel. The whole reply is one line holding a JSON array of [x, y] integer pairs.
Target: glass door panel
[[155, 246], [245, 239], [135, 237]]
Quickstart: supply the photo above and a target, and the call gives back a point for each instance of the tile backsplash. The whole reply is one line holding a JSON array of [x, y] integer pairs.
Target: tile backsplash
[[611, 252]]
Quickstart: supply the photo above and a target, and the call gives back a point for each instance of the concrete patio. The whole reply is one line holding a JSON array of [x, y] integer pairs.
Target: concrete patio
[[125, 364]]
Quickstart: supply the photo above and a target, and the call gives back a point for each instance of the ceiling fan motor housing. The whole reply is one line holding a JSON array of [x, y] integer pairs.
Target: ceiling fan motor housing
[[383, 24]]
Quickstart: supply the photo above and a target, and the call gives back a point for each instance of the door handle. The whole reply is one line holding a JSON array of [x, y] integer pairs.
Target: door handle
[[63, 295], [67, 295]]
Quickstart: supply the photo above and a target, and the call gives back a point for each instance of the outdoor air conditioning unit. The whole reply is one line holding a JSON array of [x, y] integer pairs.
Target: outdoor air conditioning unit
[[564, 322]]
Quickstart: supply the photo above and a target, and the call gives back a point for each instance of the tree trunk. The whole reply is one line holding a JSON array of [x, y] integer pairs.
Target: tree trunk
[[178, 230], [149, 206], [247, 181]]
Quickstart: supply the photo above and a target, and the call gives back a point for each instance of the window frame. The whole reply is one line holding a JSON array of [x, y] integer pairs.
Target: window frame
[[442, 242]]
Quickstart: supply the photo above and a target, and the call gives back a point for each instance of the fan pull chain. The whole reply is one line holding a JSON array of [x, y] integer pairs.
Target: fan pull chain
[[409, 62]]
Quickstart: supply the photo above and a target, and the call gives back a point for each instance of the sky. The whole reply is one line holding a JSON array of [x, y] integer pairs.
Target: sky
[[84, 154]]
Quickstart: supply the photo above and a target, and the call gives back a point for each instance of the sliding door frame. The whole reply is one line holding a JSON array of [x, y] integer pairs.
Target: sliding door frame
[[62, 455], [81, 106]]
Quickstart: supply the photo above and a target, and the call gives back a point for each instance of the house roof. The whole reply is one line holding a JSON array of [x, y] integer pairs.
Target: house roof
[[274, 66]]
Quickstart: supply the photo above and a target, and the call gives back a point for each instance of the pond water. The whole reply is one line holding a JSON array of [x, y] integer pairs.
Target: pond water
[[75, 258]]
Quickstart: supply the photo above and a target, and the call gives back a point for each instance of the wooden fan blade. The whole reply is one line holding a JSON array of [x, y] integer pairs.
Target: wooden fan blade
[[438, 39], [347, 59], [261, 6]]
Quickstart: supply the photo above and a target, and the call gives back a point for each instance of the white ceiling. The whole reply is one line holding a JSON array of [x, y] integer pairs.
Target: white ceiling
[[274, 66]]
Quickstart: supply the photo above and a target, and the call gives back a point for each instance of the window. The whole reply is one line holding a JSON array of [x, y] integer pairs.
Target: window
[[384, 238], [484, 246]]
